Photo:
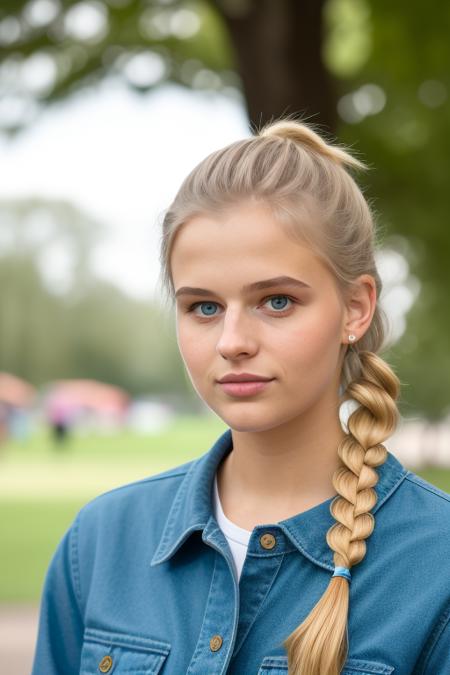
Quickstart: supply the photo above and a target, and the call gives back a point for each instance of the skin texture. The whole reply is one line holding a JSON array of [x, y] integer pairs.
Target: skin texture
[[285, 438]]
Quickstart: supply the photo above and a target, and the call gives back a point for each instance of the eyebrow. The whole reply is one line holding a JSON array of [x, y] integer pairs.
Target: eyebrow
[[256, 286]]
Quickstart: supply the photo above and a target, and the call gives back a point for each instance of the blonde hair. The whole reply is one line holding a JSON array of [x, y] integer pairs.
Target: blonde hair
[[290, 168]]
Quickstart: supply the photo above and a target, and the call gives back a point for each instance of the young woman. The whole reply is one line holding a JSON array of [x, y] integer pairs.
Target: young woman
[[297, 543]]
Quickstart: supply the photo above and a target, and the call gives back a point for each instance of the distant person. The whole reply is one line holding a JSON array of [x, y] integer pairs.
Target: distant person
[[296, 543], [59, 417]]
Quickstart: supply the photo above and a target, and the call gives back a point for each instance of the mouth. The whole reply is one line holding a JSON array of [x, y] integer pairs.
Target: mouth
[[247, 388], [244, 377]]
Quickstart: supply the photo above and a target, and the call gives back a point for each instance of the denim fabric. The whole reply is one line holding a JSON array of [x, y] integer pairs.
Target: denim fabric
[[144, 577]]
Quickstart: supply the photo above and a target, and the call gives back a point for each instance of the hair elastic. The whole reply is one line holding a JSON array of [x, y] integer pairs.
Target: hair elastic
[[342, 572]]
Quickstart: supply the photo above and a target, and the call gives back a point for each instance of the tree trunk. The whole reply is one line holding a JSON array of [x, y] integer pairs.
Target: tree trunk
[[278, 46]]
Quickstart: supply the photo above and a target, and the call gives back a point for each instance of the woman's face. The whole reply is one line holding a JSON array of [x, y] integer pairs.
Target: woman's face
[[291, 333]]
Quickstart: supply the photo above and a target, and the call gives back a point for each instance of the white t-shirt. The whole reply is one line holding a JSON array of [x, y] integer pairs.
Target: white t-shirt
[[236, 536]]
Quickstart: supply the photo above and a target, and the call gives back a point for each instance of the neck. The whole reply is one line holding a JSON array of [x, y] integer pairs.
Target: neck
[[275, 474]]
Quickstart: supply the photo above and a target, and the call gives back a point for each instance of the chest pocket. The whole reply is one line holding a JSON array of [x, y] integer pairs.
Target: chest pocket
[[120, 653], [278, 665]]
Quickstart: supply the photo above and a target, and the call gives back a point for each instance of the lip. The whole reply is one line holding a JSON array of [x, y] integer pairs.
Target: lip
[[245, 388], [244, 377]]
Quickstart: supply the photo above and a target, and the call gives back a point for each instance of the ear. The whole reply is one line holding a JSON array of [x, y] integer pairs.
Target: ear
[[360, 307]]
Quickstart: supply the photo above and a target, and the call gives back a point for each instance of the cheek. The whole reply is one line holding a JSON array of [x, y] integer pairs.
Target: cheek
[[190, 347], [314, 342]]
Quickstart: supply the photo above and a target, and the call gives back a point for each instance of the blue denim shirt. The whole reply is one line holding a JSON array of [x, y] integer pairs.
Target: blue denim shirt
[[143, 582]]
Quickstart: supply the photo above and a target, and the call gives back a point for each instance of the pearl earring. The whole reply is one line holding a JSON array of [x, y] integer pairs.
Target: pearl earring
[[352, 337]]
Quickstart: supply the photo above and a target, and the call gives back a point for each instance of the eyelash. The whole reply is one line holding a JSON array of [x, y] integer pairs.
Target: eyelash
[[269, 297]]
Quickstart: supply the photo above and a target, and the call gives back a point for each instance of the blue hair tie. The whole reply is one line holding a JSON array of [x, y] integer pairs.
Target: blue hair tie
[[342, 572]]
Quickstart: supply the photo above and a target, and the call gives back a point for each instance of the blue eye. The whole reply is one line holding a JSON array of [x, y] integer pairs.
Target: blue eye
[[208, 304], [277, 298]]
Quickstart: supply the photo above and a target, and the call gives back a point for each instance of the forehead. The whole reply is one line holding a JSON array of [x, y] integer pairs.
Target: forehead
[[242, 245]]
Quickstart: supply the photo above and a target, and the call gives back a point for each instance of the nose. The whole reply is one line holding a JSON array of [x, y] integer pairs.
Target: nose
[[237, 335]]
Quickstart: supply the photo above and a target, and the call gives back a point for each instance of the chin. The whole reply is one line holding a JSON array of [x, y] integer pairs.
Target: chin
[[249, 423]]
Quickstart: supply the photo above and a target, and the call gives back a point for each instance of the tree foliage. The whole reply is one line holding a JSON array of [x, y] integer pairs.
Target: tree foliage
[[88, 327]]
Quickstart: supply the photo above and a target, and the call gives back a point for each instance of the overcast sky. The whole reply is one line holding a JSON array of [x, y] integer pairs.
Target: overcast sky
[[121, 157]]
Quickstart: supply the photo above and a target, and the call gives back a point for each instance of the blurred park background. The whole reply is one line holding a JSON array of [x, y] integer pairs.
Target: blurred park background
[[105, 105]]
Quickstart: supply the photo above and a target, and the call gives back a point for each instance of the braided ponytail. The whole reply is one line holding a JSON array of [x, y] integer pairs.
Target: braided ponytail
[[291, 168], [320, 644]]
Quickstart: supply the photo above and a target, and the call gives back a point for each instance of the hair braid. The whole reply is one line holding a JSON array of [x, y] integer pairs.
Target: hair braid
[[319, 645]]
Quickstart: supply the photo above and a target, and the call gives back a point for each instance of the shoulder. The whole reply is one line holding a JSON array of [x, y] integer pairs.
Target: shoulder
[[413, 515], [119, 529], [152, 494], [412, 533], [405, 497], [129, 519], [420, 503]]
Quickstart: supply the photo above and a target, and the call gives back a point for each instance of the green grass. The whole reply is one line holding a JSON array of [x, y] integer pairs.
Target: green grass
[[42, 488], [29, 532], [182, 437], [87, 466], [437, 476]]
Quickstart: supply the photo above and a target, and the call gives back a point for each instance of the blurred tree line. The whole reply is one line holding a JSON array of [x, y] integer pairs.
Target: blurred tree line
[[85, 328], [373, 74]]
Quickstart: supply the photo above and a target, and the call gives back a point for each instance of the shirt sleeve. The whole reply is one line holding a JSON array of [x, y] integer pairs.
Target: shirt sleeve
[[437, 657], [60, 630]]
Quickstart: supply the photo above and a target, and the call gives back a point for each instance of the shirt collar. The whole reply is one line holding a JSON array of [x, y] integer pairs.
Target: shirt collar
[[192, 509]]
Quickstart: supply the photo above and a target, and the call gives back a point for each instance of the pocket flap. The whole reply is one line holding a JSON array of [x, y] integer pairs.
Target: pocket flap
[[111, 652]]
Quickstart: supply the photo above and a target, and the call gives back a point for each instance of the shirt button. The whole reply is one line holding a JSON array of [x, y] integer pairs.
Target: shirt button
[[105, 664], [215, 643], [267, 540]]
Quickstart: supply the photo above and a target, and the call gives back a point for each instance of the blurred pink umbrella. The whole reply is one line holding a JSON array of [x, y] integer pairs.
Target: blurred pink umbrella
[[98, 396], [15, 391]]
